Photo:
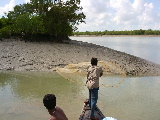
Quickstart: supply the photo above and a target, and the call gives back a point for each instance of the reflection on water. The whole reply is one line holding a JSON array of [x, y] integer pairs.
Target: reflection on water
[[21, 93]]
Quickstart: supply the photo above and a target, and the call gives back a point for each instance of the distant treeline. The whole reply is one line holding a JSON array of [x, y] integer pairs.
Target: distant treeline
[[52, 20], [132, 32]]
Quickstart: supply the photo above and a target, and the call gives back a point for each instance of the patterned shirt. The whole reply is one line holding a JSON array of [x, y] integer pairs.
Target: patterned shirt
[[94, 72]]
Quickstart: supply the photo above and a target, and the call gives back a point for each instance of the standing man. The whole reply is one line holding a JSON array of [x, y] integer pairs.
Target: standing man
[[56, 112], [94, 72]]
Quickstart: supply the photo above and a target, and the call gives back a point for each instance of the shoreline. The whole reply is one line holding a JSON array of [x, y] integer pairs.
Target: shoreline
[[40, 56], [115, 36]]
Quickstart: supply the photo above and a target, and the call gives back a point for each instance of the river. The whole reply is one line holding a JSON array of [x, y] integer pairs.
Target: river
[[144, 47], [21, 94]]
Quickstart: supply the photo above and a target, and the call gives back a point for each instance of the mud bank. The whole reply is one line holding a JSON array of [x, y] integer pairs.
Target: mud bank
[[39, 56]]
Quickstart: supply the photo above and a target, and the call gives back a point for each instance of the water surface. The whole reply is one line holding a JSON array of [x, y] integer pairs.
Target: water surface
[[144, 47], [21, 94], [137, 98]]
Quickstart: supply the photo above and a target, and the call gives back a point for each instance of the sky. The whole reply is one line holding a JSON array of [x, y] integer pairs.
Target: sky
[[110, 14]]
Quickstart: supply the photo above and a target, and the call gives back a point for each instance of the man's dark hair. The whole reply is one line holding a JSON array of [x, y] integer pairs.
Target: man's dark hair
[[49, 101], [94, 61]]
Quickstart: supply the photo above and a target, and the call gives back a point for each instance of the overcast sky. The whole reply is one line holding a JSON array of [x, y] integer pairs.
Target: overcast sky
[[111, 14]]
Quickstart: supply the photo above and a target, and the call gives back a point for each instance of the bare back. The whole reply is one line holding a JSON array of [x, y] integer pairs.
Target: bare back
[[58, 115]]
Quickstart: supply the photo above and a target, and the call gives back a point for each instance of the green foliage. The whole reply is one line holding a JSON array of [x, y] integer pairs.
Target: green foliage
[[53, 18], [5, 29], [106, 32], [5, 32], [40, 7], [3, 22], [62, 18], [19, 10], [28, 24]]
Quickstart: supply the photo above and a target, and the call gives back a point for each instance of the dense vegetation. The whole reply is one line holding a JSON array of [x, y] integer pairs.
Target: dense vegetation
[[42, 20], [132, 32], [51, 20]]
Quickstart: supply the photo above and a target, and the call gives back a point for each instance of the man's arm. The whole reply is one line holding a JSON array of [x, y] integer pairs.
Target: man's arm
[[101, 72], [87, 75]]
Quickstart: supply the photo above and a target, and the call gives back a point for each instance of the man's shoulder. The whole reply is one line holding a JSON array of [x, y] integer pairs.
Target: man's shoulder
[[99, 67], [52, 118], [90, 68], [94, 67], [58, 108]]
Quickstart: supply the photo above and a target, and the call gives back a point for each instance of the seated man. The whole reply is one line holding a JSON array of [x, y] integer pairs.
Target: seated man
[[56, 112]]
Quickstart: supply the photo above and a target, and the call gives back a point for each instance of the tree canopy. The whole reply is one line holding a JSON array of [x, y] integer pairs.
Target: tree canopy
[[54, 19]]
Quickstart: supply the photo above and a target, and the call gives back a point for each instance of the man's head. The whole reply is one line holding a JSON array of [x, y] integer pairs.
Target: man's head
[[49, 101], [94, 61]]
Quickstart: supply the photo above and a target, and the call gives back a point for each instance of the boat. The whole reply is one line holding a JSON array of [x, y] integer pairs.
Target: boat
[[86, 112]]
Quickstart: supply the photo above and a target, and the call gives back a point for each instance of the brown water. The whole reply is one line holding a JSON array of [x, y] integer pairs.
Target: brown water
[[21, 94]]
